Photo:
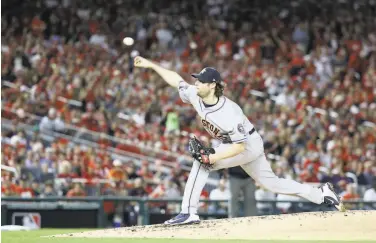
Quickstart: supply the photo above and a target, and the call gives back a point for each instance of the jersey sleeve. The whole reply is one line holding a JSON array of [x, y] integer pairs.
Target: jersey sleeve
[[238, 134], [187, 92]]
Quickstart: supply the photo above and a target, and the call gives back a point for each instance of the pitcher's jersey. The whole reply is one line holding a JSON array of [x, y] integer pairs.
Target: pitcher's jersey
[[224, 121]]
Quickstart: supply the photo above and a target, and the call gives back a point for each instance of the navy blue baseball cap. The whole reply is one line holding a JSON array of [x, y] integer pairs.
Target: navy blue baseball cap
[[208, 75]]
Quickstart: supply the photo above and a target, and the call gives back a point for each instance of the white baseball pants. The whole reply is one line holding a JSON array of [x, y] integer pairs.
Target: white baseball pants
[[254, 162]]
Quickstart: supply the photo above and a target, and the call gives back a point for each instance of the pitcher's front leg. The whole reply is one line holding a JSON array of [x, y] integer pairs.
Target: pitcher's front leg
[[196, 182]]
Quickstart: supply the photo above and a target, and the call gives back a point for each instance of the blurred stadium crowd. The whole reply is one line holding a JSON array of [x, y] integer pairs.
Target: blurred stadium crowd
[[303, 71]]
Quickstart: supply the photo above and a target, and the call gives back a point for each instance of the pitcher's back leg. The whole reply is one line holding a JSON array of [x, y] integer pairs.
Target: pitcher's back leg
[[261, 172]]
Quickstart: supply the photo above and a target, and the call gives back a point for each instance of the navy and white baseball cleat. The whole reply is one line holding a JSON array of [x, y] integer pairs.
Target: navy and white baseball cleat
[[183, 218], [331, 198]]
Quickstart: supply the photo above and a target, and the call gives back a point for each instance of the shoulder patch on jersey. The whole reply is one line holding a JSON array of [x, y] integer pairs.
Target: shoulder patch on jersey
[[241, 128]]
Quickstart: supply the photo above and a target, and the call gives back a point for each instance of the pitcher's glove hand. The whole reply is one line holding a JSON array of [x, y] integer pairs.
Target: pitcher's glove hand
[[199, 152]]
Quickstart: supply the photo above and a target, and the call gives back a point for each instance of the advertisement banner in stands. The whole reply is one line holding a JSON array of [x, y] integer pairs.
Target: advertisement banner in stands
[[50, 214]]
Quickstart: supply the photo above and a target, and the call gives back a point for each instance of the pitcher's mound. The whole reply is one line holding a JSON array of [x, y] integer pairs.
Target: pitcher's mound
[[352, 225]]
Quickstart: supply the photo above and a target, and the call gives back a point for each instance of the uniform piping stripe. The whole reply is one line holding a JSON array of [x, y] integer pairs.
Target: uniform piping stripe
[[200, 105], [240, 140], [216, 109]]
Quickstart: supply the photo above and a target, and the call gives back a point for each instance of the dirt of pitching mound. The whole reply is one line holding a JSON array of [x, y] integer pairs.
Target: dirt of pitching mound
[[352, 225]]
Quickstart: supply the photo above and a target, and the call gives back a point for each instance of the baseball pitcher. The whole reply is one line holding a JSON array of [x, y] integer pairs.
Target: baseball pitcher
[[241, 145]]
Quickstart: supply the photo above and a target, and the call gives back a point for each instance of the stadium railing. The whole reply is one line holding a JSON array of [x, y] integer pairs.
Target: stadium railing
[[87, 136], [115, 153]]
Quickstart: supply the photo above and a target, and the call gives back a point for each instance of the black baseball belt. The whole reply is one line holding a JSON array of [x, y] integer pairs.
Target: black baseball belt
[[252, 131]]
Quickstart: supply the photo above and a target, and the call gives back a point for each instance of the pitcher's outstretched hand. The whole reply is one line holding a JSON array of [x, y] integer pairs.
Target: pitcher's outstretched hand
[[142, 62]]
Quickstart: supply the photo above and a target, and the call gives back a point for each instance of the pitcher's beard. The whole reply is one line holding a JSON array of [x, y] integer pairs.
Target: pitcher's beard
[[203, 95]]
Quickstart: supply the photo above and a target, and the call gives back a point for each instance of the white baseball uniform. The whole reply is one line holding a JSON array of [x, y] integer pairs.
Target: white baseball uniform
[[226, 121]]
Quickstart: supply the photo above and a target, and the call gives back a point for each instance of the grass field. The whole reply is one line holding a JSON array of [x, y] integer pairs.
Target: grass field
[[35, 237]]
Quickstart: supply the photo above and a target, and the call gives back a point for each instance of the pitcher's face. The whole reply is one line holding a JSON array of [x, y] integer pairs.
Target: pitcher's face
[[203, 89]]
